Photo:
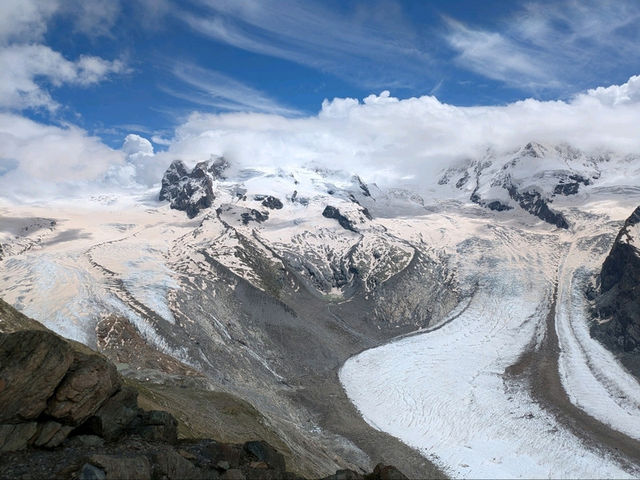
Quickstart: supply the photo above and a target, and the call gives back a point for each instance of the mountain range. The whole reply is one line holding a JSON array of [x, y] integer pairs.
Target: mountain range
[[482, 323]]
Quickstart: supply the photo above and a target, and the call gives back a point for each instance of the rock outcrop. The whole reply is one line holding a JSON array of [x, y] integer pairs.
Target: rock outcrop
[[191, 191], [333, 212], [618, 301]]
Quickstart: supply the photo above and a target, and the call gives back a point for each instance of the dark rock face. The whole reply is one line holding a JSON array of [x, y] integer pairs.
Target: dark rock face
[[187, 191], [333, 212], [536, 205], [254, 216], [269, 201], [618, 301], [363, 186], [570, 185]]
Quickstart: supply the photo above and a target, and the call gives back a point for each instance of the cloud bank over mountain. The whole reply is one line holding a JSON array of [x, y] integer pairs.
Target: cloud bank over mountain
[[382, 138]]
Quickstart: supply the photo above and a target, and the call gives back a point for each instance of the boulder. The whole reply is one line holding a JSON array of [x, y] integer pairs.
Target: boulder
[[90, 380], [114, 416], [51, 434], [386, 472], [259, 451], [91, 472], [169, 464], [32, 364]]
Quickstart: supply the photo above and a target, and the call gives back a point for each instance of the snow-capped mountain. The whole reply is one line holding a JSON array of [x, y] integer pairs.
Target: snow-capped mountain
[[284, 285], [530, 178]]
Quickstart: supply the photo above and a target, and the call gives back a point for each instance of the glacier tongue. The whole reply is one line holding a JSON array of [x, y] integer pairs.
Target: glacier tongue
[[447, 392]]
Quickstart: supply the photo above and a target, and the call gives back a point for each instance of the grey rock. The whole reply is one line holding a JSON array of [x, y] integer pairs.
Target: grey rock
[[169, 464], [263, 452], [86, 441], [272, 202], [218, 166], [233, 474], [619, 298], [155, 425]]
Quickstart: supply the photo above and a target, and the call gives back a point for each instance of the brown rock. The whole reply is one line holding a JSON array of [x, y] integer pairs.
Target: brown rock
[[32, 364], [344, 475], [90, 381], [233, 474], [386, 472]]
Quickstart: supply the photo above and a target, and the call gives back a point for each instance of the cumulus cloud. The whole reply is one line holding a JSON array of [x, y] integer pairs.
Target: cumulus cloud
[[386, 139], [381, 138], [28, 69], [38, 159], [24, 69]]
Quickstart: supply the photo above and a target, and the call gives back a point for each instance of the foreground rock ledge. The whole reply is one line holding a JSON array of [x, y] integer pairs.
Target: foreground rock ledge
[[64, 413]]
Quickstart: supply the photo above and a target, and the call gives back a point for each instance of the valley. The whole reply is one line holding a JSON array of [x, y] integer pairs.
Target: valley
[[442, 328]]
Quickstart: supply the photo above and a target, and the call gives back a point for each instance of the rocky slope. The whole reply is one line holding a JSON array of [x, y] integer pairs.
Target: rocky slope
[[67, 414], [617, 305]]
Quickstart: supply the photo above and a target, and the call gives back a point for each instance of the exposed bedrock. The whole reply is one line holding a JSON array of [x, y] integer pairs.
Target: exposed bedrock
[[617, 304]]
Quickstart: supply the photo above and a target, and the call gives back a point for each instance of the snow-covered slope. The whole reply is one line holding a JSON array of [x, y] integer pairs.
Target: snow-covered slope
[[266, 280]]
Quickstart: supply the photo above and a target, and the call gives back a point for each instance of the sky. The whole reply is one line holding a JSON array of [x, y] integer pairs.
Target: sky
[[110, 92]]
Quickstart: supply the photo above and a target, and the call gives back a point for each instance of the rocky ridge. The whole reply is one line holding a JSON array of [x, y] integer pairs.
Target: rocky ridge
[[617, 303], [66, 414]]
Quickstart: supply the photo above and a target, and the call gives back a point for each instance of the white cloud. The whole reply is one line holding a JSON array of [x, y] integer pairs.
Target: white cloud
[[25, 20], [214, 89], [626, 94], [385, 139], [41, 159], [495, 56], [28, 69], [25, 68], [556, 46], [382, 138]]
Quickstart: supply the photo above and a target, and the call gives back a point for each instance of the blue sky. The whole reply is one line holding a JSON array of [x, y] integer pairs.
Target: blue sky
[[389, 89], [287, 56]]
